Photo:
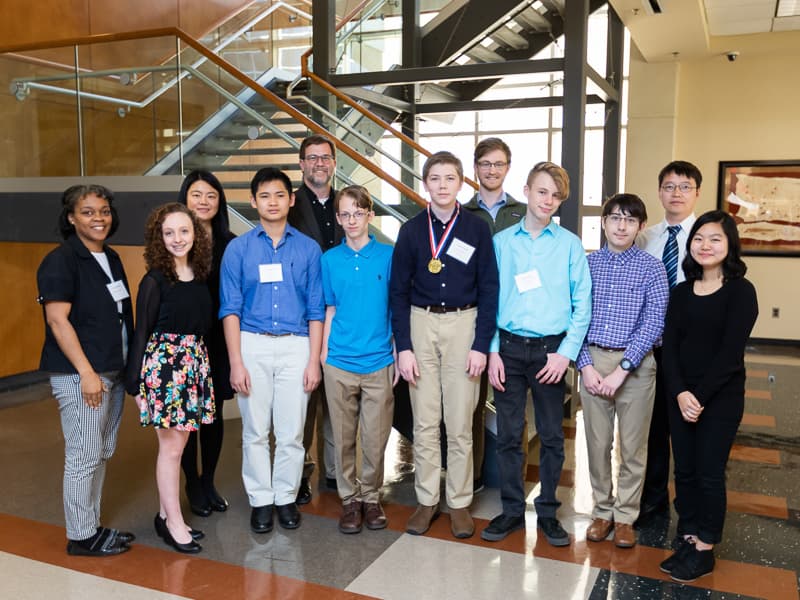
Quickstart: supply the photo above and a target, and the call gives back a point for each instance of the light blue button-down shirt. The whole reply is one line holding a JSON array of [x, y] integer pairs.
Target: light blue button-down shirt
[[276, 307], [495, 208], [563, 301]]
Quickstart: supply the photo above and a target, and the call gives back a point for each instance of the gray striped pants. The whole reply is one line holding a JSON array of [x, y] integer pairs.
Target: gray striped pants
[[90, 436]]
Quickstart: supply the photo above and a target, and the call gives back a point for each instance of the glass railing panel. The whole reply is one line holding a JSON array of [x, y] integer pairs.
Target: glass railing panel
[[39, 124], [130, 113]]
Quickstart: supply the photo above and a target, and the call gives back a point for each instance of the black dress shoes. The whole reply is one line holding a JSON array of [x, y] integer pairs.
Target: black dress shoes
[[103, 543], [330, 483], [261, 519], [288, 515], [191, 547], [126, 537], [215, 501], [198, 502], [304, 493], [161, 528]]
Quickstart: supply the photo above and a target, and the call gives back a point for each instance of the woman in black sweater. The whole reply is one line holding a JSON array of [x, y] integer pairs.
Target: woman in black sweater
[[709, 319]]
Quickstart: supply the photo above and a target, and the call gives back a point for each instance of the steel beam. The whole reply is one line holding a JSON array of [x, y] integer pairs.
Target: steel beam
[[547, 101], [613, 124]]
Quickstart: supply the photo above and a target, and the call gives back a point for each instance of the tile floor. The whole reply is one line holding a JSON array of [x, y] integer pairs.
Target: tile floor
[[759, 558]]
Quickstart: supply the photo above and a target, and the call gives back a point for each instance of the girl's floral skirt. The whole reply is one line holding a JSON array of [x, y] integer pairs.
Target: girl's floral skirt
[[176, 389]]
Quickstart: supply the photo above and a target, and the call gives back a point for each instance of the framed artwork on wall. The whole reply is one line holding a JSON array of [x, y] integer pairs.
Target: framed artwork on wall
[[764, 199]]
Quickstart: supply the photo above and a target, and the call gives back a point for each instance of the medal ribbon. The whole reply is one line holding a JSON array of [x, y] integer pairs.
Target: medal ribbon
[[437, 249]]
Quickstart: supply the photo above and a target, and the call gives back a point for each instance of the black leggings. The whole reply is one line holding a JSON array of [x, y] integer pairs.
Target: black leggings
[[210, 449]]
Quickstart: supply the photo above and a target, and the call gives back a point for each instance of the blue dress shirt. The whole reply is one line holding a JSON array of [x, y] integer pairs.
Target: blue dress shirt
[[276, 307], [562, 303]]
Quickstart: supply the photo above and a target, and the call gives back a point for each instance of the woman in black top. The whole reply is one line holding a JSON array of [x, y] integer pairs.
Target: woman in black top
[[709, 319], [172, 385], [88, 319], [202, 192]]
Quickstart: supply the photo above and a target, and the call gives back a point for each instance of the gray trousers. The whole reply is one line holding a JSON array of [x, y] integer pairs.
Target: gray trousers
[[90, 437]]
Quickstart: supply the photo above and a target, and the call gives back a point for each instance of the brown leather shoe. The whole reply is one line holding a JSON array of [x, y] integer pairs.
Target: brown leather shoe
[[374, 517], [350, 522], [461, 523], [599, 530], [624, 535], [422, 518]]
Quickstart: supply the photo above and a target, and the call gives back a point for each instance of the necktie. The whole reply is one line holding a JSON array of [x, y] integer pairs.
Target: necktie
[[670, 256]]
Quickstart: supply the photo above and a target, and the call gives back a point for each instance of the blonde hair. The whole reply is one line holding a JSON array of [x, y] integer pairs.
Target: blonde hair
[[555, 171]]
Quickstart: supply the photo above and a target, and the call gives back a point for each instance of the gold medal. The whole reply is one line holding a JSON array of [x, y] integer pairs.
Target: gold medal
[[435, 266]]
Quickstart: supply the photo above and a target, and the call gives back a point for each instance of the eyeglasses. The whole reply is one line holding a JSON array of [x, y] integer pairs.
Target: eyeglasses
[[89, 213], [683, 188], [312, 158], [486, 165], [616, 219], [358, 216]]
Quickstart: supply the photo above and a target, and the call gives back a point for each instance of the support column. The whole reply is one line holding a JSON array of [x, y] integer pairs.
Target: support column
[[611, 134], [412, 45], [572, 141]]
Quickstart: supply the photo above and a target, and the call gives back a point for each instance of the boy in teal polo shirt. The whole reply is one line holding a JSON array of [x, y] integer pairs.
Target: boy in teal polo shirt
[[358, 358]]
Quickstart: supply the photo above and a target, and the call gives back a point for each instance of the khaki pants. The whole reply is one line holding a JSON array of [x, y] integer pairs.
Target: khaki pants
[[633, 406], [441, 344], [366, 402]]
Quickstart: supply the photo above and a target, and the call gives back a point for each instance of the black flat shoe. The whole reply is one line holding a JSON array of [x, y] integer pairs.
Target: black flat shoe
[[215, 501], [304, 493], [103, 543], [161, 527], [198, 503], [261, 519], [288, 515], [190, 548]]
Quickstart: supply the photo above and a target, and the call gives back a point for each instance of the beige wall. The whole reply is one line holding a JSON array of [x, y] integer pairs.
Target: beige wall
[[712, 110]]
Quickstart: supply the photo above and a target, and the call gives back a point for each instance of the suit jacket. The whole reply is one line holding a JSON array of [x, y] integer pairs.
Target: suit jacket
[[302, 217]]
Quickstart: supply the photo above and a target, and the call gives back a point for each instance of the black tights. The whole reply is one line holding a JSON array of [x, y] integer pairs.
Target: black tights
[[210, 448]]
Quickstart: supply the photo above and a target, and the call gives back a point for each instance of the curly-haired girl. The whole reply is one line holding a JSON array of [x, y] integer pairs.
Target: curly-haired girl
[[168, 369]]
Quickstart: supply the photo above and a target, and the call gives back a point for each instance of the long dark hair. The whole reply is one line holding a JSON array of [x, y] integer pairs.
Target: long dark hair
[[74, 194], [220, 226], [733, 266]]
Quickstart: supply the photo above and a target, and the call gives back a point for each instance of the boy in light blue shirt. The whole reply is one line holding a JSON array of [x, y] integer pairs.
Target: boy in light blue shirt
[[358, 359]]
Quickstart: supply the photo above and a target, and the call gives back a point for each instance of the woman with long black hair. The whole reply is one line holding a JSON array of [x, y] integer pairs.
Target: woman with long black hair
[[709, 319]]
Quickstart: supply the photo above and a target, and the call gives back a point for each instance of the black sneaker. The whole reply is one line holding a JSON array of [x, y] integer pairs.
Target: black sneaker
[[553, 531], [696, 564], [682, 549], [501, 526]]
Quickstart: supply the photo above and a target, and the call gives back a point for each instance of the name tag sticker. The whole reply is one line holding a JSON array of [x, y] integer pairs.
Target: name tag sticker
[[117, 290], [270, 273], [461, 251], [528, 281]]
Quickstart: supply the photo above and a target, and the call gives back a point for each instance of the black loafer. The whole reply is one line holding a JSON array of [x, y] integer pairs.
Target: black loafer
[[198, 503], [288, 515], [304, 493], [261, 519], [161, 527], [104, 543], [126, 537], [215, 501]]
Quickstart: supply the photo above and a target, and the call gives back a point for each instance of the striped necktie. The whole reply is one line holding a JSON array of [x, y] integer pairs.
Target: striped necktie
[[670, 256]]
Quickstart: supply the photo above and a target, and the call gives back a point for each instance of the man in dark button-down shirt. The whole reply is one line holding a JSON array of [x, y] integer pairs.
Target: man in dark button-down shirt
[[313, 214], [629, 300], [444, 303]]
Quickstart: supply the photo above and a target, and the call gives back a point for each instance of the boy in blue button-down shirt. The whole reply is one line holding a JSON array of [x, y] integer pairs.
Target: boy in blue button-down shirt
[[272, 310], [358, 358]]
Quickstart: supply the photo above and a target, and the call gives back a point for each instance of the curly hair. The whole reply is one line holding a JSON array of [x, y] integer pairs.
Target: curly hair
[[156, 255]]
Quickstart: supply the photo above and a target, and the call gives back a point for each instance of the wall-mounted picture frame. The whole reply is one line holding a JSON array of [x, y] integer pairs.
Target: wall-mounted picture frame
[[764, 199]]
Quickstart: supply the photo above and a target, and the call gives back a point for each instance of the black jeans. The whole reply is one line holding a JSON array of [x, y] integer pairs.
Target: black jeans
[[523, 358], [700, 451]]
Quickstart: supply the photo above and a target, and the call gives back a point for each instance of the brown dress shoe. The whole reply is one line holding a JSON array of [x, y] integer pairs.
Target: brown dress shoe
[[599, 530], [421, 520], [350, 522], [624, 535], [461, 523], [374, 517]]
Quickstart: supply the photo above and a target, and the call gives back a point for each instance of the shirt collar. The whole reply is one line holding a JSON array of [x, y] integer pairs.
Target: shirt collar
[[289, 231], [552, 228], [686, 224], [366, 251], [483, 205], [621, 256]]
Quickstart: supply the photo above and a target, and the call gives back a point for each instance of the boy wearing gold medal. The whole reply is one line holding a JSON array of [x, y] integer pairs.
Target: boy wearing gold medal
[[443, 294]]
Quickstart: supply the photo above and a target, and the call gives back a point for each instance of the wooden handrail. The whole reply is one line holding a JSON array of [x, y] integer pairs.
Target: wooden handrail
[[236, 73], [304, 70]]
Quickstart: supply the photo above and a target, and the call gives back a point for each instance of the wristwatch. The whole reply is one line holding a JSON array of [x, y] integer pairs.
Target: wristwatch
[[626, 365]]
